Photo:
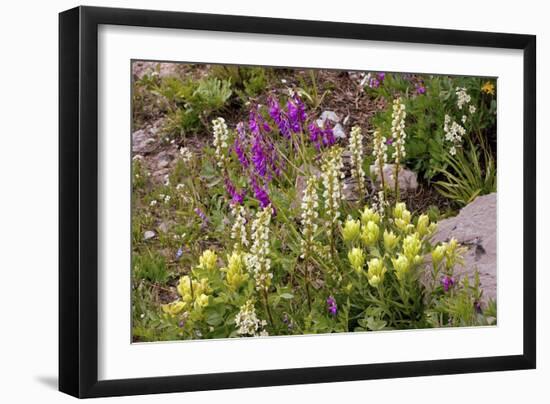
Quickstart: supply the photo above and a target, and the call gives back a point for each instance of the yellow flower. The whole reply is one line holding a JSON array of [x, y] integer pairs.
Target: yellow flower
[[189, 289], [390, 240], [357, 259], [422, 226], [369, 215], [208, 260], [411, 248], [401, 265], [174, 308], [351, 230], [376, 272], [438, 253], [236, 274], [488, 88], [201, 301], [370, 233], [402, 217]]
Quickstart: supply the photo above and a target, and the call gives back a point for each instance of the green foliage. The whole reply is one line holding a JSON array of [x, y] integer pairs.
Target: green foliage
[[247, 81], [466, 177], [427, 148], [150, 266]]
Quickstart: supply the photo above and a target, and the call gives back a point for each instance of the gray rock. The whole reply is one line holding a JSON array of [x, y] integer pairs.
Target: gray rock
[[149, 234], [331, 116], [407, 179], [338, 131], [475, 227]]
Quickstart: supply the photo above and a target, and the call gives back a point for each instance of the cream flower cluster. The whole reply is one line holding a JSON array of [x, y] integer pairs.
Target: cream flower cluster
[[258, 261], [398, 129], [463, 98], [221, 137], [186, 154], [238, 230], [356, 151], [247, 322], [332, 194], [310, 206], [454, 132], [379, 149]]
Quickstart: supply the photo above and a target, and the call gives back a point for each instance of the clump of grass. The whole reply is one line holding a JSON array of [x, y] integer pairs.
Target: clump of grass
[[150, 266]]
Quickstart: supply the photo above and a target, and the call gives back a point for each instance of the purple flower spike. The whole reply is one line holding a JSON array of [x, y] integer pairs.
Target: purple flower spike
[[332, 307], [239, 145], [278, 117], [260, 194], [202, 215], [447, 282], [237, 198], [381, 77], [259, 158]]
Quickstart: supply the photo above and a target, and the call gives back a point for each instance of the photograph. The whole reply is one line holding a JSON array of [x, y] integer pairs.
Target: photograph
[[277, 201]]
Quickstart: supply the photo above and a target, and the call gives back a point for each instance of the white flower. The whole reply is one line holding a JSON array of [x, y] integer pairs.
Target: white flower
[[332, 194], [310, 205], [186, 154], [464, 118], [356, 151], [462, 97], [452, 150], [258, 261], [398, 130], [153, 202], [454, 132], [247, 322], [167, 198], [221, 137], [238, 230], [472, 109], [180, 187]]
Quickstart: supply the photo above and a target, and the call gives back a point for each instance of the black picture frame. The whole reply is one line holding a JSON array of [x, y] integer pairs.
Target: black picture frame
[[78, 201]]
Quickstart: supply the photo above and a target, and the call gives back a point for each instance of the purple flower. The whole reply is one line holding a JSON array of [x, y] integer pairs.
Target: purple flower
[[477, 306], [389, 142], [296, 113], [321, 137], [420, 89], [332, 307], [278, 117], [202, 215], [237, 198], [374, 83], [179, 253], [259, 158], [239, 145], [447, 282], [260, 193], [381, 77]]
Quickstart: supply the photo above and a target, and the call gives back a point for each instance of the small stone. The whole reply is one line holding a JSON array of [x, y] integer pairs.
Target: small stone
[[164, 227], [149, 234], [338, 131], [407, 179]]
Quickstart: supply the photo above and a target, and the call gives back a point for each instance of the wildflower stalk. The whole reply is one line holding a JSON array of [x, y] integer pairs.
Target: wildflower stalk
[[309, 216], [331, 174], [356, 151], [399, 136]]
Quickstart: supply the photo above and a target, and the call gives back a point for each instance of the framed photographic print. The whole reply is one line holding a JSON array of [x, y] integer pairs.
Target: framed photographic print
[[251, 201]]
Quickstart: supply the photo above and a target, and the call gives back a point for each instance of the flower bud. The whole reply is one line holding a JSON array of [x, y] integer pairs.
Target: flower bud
[[356, 258], [174, 308], [208, 260], [370, 233], [401, 265], [438, 253], [351, 230], [369, 215], [376, 272], [236, 275], [422, 225], [412, 246], [390, 240], [201, 301]]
